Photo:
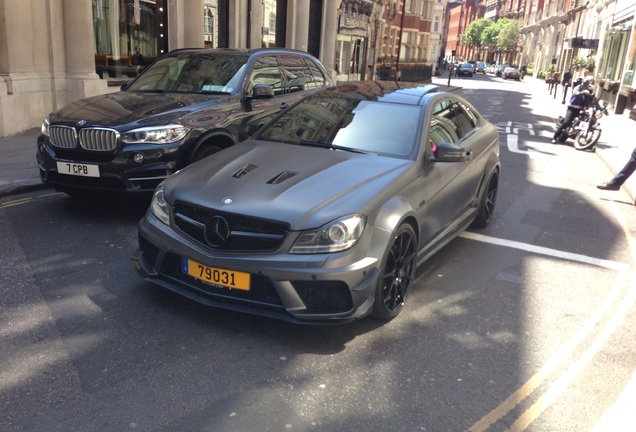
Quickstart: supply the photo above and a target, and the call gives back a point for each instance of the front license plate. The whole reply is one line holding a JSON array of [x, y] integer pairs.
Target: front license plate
[[78, 169], [216, 276]]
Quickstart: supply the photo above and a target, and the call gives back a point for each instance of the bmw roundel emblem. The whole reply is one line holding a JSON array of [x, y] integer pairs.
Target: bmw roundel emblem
[[81, 122], [228, 200]]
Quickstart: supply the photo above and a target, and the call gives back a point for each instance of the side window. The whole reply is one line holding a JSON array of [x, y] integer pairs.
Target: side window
[[296, 74], [471, 114], [463, 122], [317, 78], [442, 128], [266, 71]]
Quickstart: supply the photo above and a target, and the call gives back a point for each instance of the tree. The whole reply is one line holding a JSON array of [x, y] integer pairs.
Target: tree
[[508, 36], [474, 31]]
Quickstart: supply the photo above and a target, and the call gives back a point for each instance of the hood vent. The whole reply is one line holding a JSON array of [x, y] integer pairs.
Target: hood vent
[[282, 177], [247, 168]]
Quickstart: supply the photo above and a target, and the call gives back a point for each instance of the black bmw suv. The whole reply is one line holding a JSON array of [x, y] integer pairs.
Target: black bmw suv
[[185, 106]]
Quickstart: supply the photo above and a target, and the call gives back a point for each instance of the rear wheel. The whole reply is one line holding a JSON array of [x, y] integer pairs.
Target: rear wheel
[[585, 140], [397, 274], [487, 203]]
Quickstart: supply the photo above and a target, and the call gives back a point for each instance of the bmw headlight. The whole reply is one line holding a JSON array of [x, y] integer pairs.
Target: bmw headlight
[[45, 127], [336, 236], [155, 135], [159, 206]]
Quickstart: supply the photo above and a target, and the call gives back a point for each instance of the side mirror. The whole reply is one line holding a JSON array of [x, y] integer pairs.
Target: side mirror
[[261, 91], [253, 128], [448, 152], [125, 85]]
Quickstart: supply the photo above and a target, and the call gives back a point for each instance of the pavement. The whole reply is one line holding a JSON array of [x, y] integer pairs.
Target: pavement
[[19, 171]]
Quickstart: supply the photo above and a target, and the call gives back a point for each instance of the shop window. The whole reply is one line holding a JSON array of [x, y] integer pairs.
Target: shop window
[[128, 35]]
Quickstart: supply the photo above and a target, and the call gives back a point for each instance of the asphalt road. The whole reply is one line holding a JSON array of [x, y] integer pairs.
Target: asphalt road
[[527, 325]]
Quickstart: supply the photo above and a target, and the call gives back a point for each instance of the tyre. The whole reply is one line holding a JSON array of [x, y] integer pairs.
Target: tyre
[[585, 140], [205, 151], [396, 274], [487, 203]]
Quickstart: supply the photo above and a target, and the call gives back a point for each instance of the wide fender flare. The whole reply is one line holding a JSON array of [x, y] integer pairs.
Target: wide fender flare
[[390, 216]]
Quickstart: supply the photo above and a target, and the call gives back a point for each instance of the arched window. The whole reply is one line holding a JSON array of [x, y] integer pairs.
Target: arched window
[[208, 26]]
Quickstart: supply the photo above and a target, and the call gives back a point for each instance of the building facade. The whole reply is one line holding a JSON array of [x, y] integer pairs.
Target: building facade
[[53, 52]]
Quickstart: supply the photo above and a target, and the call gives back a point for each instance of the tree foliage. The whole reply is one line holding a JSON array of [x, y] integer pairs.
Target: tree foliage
[[473, 34], [502, 35], [508, 36]]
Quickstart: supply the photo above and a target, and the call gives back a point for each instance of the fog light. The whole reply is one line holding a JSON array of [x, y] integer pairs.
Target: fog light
[[138, 158]]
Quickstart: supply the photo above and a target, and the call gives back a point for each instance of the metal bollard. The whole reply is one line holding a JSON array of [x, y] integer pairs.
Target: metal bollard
[[565, 93]]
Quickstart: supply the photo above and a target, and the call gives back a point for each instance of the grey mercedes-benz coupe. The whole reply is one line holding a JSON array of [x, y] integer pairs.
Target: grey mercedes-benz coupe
[[324, 214]]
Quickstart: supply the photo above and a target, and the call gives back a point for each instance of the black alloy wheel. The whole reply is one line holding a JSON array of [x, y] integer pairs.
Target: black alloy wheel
[[397, 274], [487, 204]]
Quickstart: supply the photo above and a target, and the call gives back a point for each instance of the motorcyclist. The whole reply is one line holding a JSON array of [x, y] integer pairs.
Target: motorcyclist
[[582, 94]]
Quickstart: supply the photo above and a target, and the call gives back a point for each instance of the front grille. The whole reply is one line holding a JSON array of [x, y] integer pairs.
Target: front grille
[[246, 233], [63, 136], [94, 139], [98, 139]]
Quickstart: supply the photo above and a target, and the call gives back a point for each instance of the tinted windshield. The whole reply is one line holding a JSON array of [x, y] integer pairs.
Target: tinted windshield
[[376, 127], [193, 73]]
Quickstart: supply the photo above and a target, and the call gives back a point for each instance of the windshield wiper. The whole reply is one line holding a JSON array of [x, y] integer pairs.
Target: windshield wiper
[[213, 92], [332, 147]]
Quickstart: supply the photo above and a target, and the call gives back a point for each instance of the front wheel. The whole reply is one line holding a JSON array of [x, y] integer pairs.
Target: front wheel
[[205, 151], [487, 203], [397, 273], [585, 140]]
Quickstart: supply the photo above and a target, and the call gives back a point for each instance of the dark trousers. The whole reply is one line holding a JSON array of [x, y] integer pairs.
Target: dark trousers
[[567, 121], [629, 168]]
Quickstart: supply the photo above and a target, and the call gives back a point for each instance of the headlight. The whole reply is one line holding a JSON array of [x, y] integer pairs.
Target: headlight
[[336, 236], [45, 127], [159, 206], [155, 135]]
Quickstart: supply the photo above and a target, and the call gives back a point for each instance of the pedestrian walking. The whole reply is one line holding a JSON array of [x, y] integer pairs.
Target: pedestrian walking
[[622, 176]]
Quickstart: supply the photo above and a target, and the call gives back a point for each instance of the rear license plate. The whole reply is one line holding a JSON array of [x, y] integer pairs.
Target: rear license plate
[[216, 276], [78, 169]]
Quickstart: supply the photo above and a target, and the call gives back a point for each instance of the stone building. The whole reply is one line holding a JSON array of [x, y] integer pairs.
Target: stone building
[[53, 52]]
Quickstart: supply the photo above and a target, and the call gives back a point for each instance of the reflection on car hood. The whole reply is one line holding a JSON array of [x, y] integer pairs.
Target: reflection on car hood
[[124, 108], [304, 186]]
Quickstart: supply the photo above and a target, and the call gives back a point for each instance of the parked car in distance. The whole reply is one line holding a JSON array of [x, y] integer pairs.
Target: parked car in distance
[[480, 67], [500, 69], [187, 105], [324, 214], [465, 69], [511, 73]]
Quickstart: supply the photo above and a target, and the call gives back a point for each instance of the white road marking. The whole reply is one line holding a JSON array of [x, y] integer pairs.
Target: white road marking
[[612, 265]]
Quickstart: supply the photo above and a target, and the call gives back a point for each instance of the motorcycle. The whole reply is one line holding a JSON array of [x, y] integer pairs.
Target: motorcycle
[[586, 127]]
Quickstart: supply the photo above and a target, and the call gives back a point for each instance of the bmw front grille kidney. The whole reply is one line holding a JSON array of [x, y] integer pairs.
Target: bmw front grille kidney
[[98, 139], [94, 139], [63, 136]]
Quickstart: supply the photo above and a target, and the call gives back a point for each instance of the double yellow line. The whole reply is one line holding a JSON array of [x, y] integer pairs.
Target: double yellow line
[[626, 282], [27, 200]]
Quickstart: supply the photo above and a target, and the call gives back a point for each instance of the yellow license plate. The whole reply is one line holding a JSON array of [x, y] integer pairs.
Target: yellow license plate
[[216, 276]]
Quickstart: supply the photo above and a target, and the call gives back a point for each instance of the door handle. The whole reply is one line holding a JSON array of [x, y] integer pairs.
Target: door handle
[[284, 105], [469, 155]]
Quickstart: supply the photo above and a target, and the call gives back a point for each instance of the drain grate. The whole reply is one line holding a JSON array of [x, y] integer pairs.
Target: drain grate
[[508, 277]]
